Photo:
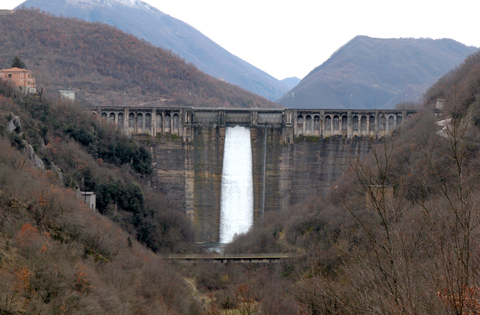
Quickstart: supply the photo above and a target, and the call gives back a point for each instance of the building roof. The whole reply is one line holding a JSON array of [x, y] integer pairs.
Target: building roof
[[15, 69]]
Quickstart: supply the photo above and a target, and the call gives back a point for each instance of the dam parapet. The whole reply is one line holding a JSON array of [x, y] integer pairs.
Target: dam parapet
[[294, 123]]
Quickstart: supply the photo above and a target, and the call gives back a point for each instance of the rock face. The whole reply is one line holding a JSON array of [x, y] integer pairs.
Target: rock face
[[283, 174], [58, 172], [14, 124], [30, 152]]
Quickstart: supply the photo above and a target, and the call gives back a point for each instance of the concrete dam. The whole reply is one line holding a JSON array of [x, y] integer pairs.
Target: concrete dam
[[294, 153]]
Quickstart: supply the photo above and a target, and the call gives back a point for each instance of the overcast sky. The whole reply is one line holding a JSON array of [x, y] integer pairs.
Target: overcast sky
[[291, 38]]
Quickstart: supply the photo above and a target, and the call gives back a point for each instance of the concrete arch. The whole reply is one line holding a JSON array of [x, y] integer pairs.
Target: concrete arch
[[363, 123], [111, 118], [140, 126], [336, 123], [316, 125], [176, 123], [371, 122], [148, 121], [131, 120], [120, 120], [300, 123], [104, 115], [159, 122], [383, 123], [328, 122], [391, 122], [344, 123], [355, 123], [167, 122], [399, 120], [308, 125]]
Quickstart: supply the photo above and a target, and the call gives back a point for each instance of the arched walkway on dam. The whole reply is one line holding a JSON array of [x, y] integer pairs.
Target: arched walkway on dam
[[296, 123]]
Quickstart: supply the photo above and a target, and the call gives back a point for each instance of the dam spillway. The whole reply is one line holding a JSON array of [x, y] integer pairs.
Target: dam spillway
[[236, 205], [295, 153]]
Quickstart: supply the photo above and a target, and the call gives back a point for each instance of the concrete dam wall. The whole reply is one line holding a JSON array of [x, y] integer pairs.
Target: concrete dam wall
[[295, 153]]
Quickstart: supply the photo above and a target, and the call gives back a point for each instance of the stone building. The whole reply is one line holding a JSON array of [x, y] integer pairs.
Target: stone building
[[20, 78], [88, 197], [67, 94]]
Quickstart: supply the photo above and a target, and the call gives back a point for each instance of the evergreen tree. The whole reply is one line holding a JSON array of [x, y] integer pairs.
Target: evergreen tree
[[18, 63]]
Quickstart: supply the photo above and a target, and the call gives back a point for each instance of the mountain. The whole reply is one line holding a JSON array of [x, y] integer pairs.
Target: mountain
[[290, 82], [146, 22], [109, 67], [376, 73]]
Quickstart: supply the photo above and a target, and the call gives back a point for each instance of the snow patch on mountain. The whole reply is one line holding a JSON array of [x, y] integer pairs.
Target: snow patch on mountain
[[129, 3]]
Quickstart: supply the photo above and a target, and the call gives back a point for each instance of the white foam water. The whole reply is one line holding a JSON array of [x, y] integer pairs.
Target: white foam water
[[236, 203]]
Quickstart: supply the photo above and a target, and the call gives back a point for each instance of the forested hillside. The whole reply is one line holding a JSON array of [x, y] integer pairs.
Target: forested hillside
[[399, 232], [460, 88], [376, 73], [162, 30], [291, 82], [109, 67], [57, 256]]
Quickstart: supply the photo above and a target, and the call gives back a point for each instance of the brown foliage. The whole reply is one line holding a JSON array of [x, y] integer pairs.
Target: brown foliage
[[70, 259], [459, 88]]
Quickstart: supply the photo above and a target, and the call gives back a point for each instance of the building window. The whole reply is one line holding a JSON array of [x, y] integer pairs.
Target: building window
[[29, 75], [21, 82], [21, 75], [9, 75]]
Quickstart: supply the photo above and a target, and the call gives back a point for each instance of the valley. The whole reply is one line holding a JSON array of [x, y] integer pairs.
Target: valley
[[344, 210]]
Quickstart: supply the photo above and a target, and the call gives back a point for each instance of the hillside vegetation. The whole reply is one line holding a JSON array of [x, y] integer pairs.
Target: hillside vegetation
[[162, 30], [57, 256], [95, 156], [460, 89], [376, 73], [110, 67], [399, 233], [291, 82]]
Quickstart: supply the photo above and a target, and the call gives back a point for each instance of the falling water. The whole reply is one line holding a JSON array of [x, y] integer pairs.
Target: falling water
[[236, 203]]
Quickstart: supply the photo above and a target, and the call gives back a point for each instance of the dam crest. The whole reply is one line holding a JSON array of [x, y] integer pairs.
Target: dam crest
[[294, 122]]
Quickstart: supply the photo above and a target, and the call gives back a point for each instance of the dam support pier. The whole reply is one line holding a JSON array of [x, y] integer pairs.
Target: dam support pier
[[295, 153]]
